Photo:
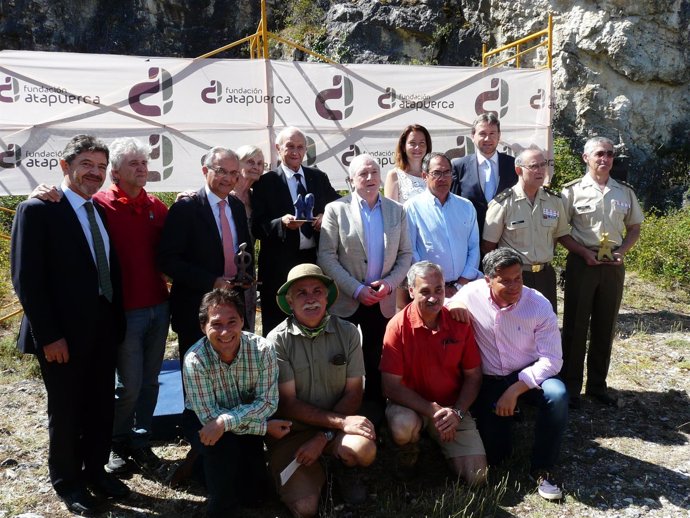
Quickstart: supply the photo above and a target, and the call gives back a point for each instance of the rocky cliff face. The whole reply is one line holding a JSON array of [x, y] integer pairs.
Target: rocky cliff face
[[620, 68]]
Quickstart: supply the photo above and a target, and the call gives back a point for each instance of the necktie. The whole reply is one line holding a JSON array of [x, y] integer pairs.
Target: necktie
[[104, 281], [306, 229], [228, 248], [490, 186]]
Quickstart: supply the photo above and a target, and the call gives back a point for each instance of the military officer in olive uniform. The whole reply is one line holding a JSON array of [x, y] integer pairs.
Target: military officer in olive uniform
[[599, 208], [528, 218]]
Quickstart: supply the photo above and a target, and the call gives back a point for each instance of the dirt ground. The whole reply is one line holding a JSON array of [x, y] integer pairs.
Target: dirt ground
[[630, 461]]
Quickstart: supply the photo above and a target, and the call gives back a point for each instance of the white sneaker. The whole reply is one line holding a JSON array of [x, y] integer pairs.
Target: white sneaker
[[547, 489]]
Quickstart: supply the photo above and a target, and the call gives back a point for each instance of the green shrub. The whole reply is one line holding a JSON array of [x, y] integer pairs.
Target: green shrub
[[663, 252], [568, 164]]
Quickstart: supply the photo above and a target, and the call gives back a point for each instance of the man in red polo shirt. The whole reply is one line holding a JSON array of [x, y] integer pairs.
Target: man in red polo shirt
[[431, 374]]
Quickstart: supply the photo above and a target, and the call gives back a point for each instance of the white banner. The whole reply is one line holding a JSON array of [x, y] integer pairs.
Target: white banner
[[182, 107]]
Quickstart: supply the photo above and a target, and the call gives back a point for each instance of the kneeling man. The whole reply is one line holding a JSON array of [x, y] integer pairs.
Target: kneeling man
[[320, 385], [517, 334], [231, 379], [431, 375]]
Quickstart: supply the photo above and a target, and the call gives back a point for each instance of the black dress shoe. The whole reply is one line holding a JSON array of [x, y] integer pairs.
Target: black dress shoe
[[574, 403], [80, 502], [604, 399], [108, 486]]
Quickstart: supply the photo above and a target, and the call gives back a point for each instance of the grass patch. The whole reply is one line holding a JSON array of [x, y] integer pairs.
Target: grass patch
[[678, 343], [13, 364]]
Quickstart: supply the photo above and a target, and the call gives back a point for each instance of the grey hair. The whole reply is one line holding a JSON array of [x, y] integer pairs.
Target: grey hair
[[124, 146], [488, 118], [359, 161], [223, 152], [429, 157], [420, 269], [248, 151], [520, 159], [498, 259], [287, 132], [594, 141]]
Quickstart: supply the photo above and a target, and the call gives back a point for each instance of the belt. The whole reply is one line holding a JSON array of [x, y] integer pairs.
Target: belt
[[534, 268]]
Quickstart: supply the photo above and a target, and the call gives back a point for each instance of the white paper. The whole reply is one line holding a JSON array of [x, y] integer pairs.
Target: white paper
[[288, 472]]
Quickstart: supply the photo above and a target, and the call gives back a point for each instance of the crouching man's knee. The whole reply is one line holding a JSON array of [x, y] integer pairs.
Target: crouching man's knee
[[404, 424], [355, 450], [305, 507]]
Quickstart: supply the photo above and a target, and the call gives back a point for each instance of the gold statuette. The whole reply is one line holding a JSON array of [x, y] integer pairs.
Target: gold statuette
[[605, 253]]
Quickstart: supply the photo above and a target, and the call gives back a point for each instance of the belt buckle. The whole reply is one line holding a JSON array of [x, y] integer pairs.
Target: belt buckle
[[536, 268]]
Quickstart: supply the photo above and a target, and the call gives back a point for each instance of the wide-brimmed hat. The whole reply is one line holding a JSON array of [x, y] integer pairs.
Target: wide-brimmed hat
[[303, 271]]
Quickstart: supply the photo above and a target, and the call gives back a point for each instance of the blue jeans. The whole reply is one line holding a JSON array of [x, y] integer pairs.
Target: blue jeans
[[139, 359], [496, 431]]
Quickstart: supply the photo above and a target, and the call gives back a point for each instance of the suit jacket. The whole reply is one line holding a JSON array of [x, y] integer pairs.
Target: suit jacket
[[343, 252], [271, 200], [191, 254], [466, 182], [56, 279]]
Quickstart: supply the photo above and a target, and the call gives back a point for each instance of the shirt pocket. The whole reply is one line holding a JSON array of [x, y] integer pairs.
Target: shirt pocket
[[519, 229], [619, 210], [585, 215], [549, 218]]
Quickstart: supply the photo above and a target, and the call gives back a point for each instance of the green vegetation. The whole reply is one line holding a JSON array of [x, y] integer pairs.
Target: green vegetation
[[303, 24], [568, 165], [663, 252]]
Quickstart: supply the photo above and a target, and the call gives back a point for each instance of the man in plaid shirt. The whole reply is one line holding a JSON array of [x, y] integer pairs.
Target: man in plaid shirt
[[231, 380]]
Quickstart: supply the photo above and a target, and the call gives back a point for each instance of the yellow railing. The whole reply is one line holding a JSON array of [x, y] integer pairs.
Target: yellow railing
[[540, 39], [258, 42]]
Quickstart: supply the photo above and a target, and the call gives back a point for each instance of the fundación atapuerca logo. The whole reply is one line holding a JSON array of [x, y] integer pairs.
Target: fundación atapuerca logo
[[215, 93], [142, 98], [336, 103], [9, 90]]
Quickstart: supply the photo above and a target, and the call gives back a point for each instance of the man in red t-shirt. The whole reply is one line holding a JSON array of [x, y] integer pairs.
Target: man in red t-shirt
[[431, 374]]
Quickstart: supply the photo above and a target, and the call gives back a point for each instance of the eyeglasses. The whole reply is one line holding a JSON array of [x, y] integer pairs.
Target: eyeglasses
[[437, 175], [222, 172], [535, 167]]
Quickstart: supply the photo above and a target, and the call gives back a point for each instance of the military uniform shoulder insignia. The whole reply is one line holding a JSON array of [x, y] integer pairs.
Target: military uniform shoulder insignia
[[501, 196], [625, 183], [549, 190], [572, 182]]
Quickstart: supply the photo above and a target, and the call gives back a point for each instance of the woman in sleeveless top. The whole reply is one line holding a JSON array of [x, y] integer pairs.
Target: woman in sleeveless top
[[405, 180]]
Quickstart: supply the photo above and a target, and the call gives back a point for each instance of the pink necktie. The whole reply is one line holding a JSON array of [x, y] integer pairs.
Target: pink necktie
[[228, 249]]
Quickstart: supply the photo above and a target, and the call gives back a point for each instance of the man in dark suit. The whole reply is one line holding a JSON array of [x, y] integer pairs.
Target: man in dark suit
[[67, 278], [201, 236], [286, 242], [482, 175]]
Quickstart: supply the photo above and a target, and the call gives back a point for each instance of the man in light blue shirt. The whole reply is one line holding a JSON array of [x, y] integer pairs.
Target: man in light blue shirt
[[443, 226]]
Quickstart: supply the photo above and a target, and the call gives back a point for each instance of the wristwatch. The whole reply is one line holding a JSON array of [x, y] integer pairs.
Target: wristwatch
[[459, 413], [329, 435], [457, 286]]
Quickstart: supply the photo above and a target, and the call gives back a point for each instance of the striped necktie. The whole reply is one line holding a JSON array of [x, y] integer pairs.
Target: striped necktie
[[104, 281]]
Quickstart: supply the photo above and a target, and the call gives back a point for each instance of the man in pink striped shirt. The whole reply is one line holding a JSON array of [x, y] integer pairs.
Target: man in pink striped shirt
[[517, 333]]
